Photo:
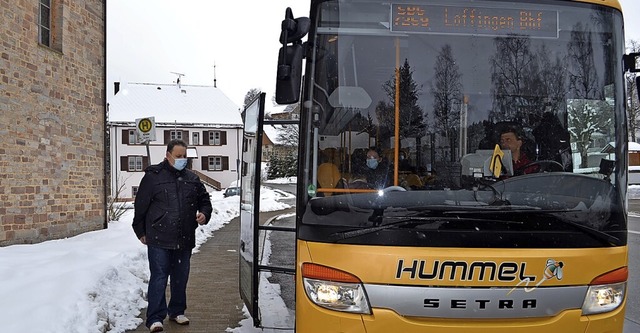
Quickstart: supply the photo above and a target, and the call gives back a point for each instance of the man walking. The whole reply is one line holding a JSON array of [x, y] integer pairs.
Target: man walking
[[170, 203]]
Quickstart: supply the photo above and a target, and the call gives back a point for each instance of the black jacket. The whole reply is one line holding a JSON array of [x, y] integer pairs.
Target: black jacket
[[166, 205]]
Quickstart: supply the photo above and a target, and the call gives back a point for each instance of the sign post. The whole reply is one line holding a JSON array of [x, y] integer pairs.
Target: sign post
[[146, 131]]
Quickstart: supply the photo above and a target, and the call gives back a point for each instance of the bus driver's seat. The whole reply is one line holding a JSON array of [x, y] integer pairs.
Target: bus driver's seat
[[328, 176]]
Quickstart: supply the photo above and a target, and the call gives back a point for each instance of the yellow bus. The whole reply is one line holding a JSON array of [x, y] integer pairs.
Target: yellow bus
[[462, 166]]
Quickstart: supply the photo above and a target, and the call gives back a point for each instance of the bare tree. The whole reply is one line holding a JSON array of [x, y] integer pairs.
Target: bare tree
[[583, 79], [526, 82], [553, 76], [250, 96], [447, 97], [511, 67], [115, 207], [588, 111], [288, 135]]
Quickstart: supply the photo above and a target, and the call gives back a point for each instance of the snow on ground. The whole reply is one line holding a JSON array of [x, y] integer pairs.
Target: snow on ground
[[279, 315], [93, 282], [633, 192]]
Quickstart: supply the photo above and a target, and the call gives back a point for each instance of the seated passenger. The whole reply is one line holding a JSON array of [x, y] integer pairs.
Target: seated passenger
[[512, 139], [377, 170]]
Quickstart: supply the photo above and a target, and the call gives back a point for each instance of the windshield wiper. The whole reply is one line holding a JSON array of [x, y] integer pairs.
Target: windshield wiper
[[406, 220], [595, 233]]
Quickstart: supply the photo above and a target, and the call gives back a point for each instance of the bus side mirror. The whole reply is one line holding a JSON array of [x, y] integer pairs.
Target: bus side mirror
[[289, 74], [289, 77]]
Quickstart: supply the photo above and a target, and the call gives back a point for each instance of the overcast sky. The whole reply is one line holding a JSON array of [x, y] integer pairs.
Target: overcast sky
[[147, 40]]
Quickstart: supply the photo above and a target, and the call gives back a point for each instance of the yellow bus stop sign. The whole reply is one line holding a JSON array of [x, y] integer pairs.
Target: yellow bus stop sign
[[145, 125], [146, 128]]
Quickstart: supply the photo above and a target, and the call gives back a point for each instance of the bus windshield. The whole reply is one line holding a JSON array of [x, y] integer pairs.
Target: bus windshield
[[457, 124]]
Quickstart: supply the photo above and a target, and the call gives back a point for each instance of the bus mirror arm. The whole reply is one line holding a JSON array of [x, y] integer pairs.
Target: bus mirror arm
[[289, 73], [293, 30]]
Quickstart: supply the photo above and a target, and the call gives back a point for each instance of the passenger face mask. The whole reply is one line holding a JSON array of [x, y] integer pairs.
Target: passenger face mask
[[372, 163], [180, 163]]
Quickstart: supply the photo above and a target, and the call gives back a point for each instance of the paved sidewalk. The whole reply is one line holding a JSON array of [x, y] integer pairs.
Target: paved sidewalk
[[213, 299], [634, 206]]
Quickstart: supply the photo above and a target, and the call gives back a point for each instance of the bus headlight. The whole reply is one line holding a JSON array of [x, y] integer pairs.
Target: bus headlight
[[346, 297], [334, 289], [603, 298]]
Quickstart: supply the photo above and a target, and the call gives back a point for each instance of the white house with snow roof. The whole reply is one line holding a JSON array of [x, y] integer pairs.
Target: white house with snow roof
[[202, 116]]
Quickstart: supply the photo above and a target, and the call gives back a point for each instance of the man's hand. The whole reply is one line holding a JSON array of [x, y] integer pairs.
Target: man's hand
[[200, 218], [143, 240]]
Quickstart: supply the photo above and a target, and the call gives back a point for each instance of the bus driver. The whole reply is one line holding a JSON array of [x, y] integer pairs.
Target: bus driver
[[511, 138]]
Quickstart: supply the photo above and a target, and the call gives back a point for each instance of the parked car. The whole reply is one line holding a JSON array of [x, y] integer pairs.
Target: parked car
[[231, 191]]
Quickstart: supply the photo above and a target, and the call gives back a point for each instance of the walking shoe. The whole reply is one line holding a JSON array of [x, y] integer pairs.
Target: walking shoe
[[156, 327], [180, 319]]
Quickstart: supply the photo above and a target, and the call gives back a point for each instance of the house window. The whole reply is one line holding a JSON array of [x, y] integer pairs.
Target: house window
[[134, 191], [176, 135], [132, 137], [195, 138], [135, 163], [50, 24], [215, 163], [214, 138], [44, 23]]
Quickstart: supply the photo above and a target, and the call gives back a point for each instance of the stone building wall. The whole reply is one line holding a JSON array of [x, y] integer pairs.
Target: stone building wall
[[52, 125]]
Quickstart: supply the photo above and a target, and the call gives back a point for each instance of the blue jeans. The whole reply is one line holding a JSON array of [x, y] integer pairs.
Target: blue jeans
[[164, 264]]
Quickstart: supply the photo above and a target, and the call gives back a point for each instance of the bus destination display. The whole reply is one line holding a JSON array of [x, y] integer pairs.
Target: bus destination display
[[474, 20]]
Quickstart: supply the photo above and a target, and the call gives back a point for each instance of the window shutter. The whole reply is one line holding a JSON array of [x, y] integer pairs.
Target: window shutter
[[223, 138], [225, 162], [124, 163], [205, 163], [167, 137], [125, 136], [145, 162], [185, 137], [205, 138]]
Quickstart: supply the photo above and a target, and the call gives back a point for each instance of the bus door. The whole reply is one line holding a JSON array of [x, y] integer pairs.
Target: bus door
[[258, 268], [250, 204]]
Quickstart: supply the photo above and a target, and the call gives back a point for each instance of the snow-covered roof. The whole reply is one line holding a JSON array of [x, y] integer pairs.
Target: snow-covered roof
[[275, 108], [610, 147], [272, 132], [171, 103]]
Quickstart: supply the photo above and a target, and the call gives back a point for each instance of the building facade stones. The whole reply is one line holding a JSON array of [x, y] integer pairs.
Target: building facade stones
[[52, 99]]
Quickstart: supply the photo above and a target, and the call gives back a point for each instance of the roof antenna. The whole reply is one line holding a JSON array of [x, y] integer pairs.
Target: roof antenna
[[215, 80], [180, 75]]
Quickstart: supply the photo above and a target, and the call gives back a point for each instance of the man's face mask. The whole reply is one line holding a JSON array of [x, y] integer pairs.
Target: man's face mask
[[372, 163], [180, 163]]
